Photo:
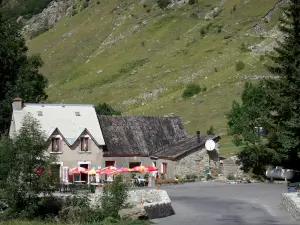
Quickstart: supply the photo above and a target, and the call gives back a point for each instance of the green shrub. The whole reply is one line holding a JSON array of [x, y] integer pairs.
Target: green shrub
[[227, 36], [244, 48], [204, 89], [74, 13], [97, 2], [191, 2], [239, 66], [192, 176], [163, 3], [261, 58], [211, 131], [85, 5], [180, 180], [203, 31], [191, 90], [230, 177], [40, 31], [148, 10], [114, 197]]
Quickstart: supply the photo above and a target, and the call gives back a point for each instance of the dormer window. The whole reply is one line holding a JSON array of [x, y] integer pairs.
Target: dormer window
[[84, 144], [77, 113], [55, 144]]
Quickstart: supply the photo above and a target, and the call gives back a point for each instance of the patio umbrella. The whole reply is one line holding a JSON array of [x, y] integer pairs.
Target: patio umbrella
[[123, 170], [145, 169], [94, 171], [108, 170], [78, 170]]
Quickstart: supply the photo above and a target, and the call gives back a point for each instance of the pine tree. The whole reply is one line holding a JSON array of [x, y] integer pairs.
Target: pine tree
[[283, 94]]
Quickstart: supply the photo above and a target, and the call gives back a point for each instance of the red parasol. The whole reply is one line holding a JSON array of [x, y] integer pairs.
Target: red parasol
[[145, 169], [123, 170], [108, 170], [79, 170]]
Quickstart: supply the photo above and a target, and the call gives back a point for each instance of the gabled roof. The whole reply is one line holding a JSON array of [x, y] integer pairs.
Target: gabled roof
[[139, 135], [70, 120]]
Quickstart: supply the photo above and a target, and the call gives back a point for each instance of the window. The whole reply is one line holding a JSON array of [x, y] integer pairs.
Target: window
[[84, 144], [40, 113], [164, 168], [110, 163], [134, 164], [77, 113], [55, 144]]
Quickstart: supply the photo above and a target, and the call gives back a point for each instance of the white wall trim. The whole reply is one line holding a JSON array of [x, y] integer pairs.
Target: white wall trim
[[57, 136]]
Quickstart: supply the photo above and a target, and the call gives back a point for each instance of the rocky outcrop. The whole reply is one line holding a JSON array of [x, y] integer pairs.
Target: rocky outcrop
[[51, 15]]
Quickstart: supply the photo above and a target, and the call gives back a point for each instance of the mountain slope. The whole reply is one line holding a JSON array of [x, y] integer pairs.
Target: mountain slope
[[139, 58]]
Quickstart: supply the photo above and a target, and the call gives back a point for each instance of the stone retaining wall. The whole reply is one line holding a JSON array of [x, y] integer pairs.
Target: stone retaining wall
[[291, 201], [156, 203]]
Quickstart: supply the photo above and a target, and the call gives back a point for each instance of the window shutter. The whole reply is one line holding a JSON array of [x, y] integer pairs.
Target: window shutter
[[61, 141], [89, 144], [52, 144]]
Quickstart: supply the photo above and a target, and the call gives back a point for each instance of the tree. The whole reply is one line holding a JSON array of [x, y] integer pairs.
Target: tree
[[273, 105], [106, 109], [211, 131], [19, 74], [28, 169], [283, 93], [114, 197]]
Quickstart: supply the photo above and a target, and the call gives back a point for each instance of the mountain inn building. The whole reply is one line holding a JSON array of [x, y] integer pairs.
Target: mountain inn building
[[81, 138]]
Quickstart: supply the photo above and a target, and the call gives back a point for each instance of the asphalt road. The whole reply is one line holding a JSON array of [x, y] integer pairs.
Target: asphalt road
[[227, 204]]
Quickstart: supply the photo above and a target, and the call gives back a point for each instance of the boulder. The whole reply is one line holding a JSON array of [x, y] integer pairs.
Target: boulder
[[135, 213]]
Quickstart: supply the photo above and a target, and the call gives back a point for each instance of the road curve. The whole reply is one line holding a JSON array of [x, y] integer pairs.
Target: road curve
[[227, 204]]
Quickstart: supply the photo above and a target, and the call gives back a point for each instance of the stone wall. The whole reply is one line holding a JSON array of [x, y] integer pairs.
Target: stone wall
[[156, 203], [291, 201], [195, 163]]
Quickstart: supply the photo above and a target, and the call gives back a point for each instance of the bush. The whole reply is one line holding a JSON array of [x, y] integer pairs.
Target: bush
[[203, 31], [85, 5], [191, 90], [230, 177], [97, 2], [239, 66], [163, 3], [148, 10], [244, 48], [180, 180], [211, 130], [261, 58], [114, 197], [191, 2]]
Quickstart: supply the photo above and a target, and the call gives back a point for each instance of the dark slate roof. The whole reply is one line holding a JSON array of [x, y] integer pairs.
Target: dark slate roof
[[163, 137], [183, 147], [139, 135]]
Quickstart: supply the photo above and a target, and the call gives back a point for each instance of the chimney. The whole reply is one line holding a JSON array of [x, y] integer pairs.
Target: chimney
[[17, 104], [198, 136]]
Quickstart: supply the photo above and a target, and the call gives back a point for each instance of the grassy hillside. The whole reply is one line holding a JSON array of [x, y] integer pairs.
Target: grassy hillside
[[139, 58]]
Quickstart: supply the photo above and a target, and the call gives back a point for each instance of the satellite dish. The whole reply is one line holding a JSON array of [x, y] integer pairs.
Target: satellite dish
[[210, 145]]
